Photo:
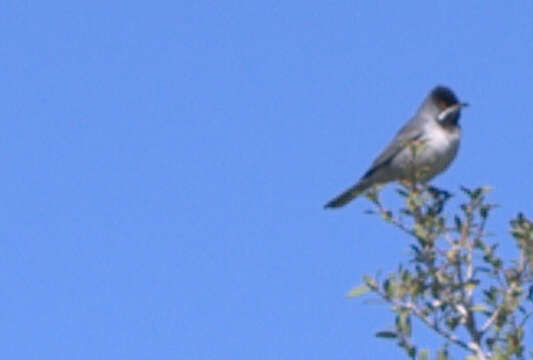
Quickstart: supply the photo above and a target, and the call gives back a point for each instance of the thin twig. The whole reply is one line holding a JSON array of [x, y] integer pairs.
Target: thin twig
[[491, 319], [431, 324]]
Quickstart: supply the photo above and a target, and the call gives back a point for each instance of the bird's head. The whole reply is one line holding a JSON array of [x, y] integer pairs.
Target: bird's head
[[444, 105]]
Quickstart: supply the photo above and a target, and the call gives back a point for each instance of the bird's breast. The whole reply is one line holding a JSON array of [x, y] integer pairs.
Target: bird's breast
[[442, 141], [440, 148]]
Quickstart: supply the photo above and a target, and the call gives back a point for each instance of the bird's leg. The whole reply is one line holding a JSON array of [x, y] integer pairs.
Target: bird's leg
[[412, 176], [415, 174]]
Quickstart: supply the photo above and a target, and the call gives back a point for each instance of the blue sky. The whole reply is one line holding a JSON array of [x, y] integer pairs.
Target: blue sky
[[165, 166]]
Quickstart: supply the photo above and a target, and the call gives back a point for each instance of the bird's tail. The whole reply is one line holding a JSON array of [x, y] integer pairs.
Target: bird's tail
[[348, 195]]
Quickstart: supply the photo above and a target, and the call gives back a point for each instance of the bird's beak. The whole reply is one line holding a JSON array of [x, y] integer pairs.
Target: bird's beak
[[457, 107]]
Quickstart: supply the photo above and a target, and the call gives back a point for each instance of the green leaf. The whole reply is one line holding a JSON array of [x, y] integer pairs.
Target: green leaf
[[416, 249], [358, 291], [386, 334], [420, 231], [453, 256], [402, 192], [458, 223], [390, 287], [479, 307], [466, 191], [471, 285], [484, 211], [423, 354], [371, 283], [442, 354], [499, 355], [403, 323], [387, 215], [477, 193], [373, 195], [452, 322]]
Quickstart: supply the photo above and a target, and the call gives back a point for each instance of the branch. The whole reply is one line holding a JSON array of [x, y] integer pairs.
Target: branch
[[430, 323], [491, 319], [387, 215]]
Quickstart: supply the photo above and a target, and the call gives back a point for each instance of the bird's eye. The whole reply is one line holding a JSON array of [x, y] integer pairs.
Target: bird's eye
[[442, 104]]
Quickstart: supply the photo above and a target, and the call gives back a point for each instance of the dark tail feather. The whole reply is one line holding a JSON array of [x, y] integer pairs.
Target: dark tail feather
[[347, 195]]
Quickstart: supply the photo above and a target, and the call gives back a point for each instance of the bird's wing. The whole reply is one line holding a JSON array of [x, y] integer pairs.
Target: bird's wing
[[411, 131]]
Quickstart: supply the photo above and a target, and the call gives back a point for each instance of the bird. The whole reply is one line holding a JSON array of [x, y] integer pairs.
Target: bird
[[435, 126]]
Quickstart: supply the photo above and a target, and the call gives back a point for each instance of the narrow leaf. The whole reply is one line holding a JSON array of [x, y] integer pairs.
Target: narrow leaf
[[442, 354], [386, 334], [423, 354], [358, 291], [479, 307]]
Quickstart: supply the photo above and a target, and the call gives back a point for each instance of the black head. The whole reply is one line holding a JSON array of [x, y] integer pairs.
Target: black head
[[443, 97], [446, 105]]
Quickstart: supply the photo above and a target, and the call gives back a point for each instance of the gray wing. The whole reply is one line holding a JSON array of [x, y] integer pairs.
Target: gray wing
[[413, 130]]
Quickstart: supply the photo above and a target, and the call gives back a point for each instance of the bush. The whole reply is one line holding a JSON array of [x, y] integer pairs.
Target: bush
[[454, 281]]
